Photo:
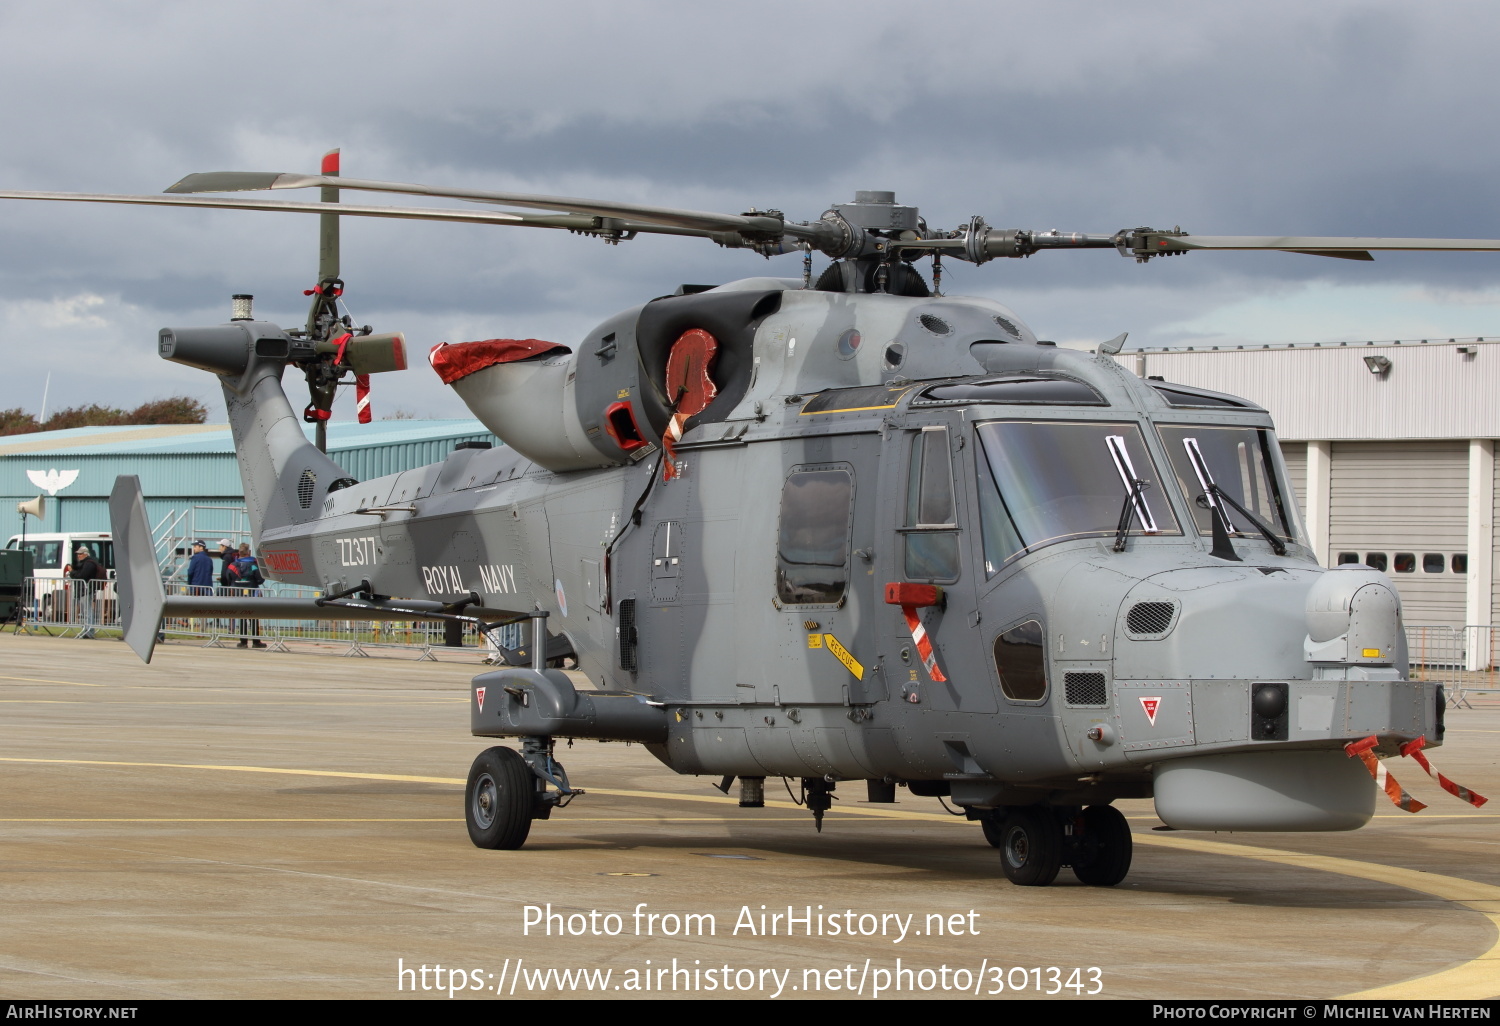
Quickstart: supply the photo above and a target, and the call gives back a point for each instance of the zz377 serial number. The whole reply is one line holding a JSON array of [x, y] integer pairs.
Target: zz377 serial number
[[360, 551]]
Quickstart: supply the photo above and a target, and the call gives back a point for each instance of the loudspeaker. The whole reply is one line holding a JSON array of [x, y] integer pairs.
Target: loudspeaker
[[36, 507]]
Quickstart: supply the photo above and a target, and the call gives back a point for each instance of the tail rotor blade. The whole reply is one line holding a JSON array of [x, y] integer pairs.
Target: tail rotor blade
[[328, 224]]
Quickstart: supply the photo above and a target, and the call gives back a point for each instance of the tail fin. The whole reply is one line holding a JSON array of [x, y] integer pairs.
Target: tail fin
[[285, 476], [137, 576]]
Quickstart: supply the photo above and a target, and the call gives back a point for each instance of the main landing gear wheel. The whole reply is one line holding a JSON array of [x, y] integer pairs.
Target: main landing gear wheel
[[498, 799], [1031, 842], [1105, 847]]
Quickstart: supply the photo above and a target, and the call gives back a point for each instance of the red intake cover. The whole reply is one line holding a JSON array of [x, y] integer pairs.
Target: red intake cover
[[898, 594], [455, 360], [689, 387]]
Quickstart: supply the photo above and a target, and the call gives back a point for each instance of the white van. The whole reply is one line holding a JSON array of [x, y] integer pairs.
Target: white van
[[60, 601], [52, 552]]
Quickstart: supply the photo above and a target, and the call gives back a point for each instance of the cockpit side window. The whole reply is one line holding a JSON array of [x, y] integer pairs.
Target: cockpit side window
[[931, 524], [812, 540], [1021, 660]]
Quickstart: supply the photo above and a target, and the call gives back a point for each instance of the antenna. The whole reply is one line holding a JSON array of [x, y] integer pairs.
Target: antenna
[[1109, 348]]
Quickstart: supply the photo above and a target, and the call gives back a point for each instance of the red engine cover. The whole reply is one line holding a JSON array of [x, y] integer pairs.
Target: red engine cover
[[458, 360]]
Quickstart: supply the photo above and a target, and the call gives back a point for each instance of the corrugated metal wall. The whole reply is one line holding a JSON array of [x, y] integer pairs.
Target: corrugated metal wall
[[1405, 497], [1495, 511], [1431, 391]]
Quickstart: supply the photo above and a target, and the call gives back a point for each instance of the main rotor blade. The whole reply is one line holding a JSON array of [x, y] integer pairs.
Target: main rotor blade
[[705, 221], [1321, 245], [570, 222]]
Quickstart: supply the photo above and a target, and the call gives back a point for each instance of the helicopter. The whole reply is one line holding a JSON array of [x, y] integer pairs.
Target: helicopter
[[834, 529]]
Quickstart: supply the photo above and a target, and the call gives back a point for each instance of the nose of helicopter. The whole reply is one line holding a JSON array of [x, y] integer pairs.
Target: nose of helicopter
[[1220, 622]]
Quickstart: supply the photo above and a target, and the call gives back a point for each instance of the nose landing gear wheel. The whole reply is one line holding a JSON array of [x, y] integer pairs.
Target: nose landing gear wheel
[[1105, 848], [1031, 847], [498, 800]]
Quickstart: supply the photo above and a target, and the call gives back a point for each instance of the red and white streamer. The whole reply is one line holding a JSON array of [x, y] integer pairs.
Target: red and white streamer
[[1364, 752], [362, 397], [1457, 790], [923, 643], [909, 597], [669, 440]]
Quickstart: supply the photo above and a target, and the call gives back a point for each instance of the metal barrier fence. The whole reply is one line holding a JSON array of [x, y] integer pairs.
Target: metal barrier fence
[[1464, 660], [88, 609]]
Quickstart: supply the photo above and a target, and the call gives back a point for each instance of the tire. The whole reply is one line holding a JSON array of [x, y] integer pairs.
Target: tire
[[498, 800], [1031, 847], [1105, 848], [992, 822]]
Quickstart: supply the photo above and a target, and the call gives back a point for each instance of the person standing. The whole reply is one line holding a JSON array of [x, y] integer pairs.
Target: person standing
[[200, 571], [86, 571], [245, 572], [226, 556]]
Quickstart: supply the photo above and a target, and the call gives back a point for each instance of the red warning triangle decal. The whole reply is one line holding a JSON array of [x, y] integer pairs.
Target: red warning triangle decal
[[479, 697], [1150, 705]]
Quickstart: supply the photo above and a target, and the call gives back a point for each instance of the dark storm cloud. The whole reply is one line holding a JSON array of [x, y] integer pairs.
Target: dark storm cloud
[[1342, 118]]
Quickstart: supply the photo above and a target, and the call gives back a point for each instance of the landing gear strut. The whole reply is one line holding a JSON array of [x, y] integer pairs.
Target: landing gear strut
[[1035, 842], [508, 789], [819, 793]]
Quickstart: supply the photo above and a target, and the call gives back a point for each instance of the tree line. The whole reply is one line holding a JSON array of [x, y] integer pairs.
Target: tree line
[[175, 410]]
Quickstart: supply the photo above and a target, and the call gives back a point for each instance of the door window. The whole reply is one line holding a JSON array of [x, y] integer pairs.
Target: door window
[[931, 525], [812, 539]]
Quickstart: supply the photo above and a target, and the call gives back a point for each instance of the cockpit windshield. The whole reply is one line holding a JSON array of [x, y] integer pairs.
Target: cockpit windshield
[[1238, 461], [1044, 481]]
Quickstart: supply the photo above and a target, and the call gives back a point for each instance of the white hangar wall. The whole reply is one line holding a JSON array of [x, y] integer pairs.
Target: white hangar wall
[[1390, 446]]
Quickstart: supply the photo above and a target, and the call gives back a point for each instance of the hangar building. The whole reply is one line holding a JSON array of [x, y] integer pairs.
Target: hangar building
[[1391, 447], [188, 472]]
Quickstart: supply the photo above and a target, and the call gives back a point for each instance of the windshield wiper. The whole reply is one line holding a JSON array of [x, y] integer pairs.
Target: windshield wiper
[[1123, 530], [1134, 486], [1277, 545], [1223, 548]]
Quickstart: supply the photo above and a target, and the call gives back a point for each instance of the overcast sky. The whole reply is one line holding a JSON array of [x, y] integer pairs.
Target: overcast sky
[[1335, 118]]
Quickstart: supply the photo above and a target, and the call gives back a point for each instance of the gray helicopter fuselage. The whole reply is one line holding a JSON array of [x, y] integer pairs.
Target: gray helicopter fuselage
[[862, 441]]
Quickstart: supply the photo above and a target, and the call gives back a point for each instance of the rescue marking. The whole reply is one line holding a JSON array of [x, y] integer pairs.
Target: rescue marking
[[851, 664], [815, 641], [1150, 706], [479, 697]]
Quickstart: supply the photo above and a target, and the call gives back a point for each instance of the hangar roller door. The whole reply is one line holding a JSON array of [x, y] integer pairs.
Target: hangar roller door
[[1495, 587], [1295, 455], [1405, 505]]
